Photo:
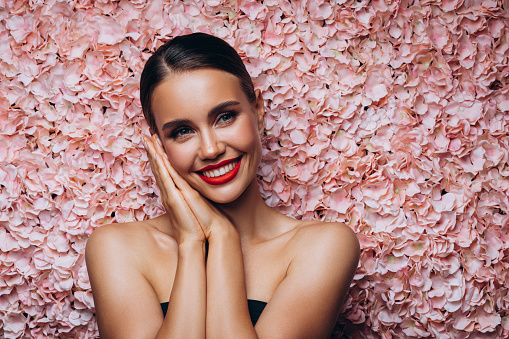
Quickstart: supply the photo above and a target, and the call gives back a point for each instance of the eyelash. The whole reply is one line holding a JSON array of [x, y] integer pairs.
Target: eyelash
[[231, 114], [176, 132]]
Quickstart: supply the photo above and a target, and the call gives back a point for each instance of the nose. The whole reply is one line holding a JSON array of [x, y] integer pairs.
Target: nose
[[211, 146]]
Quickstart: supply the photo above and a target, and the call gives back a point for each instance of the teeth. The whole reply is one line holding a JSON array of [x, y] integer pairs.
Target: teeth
[[220, 171]]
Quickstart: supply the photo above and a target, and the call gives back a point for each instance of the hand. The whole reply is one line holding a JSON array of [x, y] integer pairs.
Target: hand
[[183, 220], [208, 216]]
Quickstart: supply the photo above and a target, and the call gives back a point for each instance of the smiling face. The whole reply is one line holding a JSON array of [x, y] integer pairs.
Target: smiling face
[[209, 131]]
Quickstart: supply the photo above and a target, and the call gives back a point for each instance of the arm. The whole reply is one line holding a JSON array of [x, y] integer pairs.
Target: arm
[[306, 303], [185, 317], [224, 264], [125, 302], [186, 310], [126, 306], [227, 310]]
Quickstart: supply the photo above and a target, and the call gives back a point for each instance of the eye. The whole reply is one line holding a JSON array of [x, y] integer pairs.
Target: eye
[[180, 132], [227, 117]]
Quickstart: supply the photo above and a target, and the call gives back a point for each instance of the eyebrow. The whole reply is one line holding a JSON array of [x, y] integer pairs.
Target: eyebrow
[[214, 111]]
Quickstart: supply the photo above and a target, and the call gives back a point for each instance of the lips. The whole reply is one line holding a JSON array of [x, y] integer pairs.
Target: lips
[[221, 172]]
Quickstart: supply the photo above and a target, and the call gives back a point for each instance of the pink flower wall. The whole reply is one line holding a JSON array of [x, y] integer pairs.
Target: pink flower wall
[[390, 116]]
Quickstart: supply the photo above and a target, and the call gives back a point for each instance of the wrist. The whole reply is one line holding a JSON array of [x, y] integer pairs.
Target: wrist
[[223, 232], [190, 245]]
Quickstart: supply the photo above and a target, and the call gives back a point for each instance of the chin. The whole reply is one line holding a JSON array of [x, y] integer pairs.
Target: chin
[[226, 194], [224, 197], [223, 201]]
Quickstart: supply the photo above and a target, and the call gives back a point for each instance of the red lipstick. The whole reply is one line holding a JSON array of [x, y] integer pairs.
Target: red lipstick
[[222, 179]]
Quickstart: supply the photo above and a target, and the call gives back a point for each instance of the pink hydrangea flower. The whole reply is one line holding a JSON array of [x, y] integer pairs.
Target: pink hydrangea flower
[[389, 118]]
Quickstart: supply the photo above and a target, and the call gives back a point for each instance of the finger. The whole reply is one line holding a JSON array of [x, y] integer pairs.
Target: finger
[[163, 177], [202, 209], [199, 206], [186, 192], [172, 198], [177, 179], [152, 160]]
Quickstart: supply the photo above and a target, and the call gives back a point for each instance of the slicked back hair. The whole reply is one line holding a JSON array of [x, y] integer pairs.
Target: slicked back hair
[[186, 53]]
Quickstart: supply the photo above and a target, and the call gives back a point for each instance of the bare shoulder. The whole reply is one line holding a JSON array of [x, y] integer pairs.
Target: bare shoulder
[[324, 258], [136, 233], [326, 238], [124, 270], [330, 248], [115, 239], [124, 230], [135, 244]]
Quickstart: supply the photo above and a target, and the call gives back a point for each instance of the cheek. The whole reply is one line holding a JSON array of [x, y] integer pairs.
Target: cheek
[[180, 158], [247, 134], [244, 138]]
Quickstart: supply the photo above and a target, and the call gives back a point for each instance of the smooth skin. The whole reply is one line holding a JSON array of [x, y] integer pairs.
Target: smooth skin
[[303, 269]]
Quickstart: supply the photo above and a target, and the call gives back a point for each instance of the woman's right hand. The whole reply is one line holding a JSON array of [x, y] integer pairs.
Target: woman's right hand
[[183, 222]]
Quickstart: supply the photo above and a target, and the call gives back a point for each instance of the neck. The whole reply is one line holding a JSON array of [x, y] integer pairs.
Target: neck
[[249, 213]]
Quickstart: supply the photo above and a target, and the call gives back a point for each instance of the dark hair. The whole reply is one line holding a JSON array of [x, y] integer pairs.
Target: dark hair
[[186, 53]]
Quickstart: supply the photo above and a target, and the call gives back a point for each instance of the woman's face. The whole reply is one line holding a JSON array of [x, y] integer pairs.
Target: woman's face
[[209, 131]]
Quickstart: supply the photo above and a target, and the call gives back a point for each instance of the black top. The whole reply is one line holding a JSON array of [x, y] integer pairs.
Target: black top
[[255, 309]]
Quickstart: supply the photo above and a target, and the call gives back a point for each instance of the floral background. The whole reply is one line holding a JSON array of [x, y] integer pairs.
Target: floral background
[[390, 116]]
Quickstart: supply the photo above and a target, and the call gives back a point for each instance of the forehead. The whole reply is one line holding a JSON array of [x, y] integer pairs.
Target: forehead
[[194, 91]]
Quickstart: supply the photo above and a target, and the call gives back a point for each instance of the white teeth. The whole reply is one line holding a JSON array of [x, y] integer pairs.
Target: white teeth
[[220, 171]]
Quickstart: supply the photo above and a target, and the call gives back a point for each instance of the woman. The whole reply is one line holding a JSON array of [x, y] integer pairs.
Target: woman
[[218, 245]]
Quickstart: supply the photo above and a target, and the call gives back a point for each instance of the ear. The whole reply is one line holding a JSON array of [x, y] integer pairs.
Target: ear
[[260, 108]]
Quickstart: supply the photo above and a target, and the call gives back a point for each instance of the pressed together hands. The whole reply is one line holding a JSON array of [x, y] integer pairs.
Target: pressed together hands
[[198, 291], [192, 216]]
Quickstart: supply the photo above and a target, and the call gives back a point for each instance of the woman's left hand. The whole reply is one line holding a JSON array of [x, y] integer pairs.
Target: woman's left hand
[[209, 217]]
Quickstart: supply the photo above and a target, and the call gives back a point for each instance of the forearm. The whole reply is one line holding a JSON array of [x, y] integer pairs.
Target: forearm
[[187, 307], [227, 310]]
